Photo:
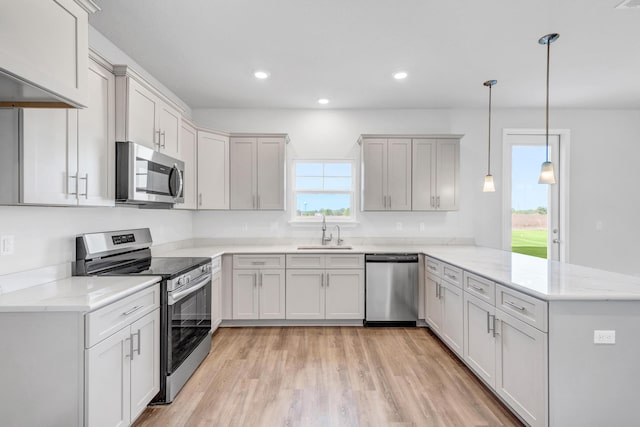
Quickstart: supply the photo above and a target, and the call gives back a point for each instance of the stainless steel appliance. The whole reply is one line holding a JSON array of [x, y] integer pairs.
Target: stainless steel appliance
[[391, 290], [185, 297], [147, 178]]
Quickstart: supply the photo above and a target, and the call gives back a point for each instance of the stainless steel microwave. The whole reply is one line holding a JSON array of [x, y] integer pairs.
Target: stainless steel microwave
[[147, 178]]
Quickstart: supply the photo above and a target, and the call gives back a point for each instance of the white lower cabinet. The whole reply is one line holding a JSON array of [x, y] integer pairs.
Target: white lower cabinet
[[479, 338], [344, 294], [258, 294], [305, 294], [123, 373], [521, 368], [444, 311]]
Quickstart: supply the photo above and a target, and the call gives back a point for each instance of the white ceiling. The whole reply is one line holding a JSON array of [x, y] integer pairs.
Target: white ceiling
[[346, 50]]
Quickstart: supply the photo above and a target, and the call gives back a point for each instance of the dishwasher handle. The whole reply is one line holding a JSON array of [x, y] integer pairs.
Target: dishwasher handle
[[395, 258]]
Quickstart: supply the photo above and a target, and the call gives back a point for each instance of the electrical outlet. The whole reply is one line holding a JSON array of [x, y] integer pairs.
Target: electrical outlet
[[6, 245], [398, 226], [245, 227], [604, 337], [598, 225], [422, 226]]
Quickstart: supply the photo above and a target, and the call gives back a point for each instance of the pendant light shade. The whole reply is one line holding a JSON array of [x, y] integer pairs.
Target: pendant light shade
[[547, 175], [489, 186]]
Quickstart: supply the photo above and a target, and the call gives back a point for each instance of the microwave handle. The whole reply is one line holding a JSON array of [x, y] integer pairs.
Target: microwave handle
[[181, 182]]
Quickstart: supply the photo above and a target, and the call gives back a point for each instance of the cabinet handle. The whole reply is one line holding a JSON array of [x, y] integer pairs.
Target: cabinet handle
[[72, 177], [437, 290], [437, 201], [258, 201], [261, 278], [389, 201], [431, 267], [255, 283], [514, 305], [131, 350], [154, 143], [134, 309], [328, 277], [384, 201], [433, 202], [476, 288], [130, 355], [322, 280], [200, 199], [86, 186], [136, 349], [495, 320], [164, 140], [488, 322], [258, 262], [451, 276]]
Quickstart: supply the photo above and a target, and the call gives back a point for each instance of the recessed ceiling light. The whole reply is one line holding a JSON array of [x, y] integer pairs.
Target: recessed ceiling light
[[400, 75], [323, 101], [261, 75]]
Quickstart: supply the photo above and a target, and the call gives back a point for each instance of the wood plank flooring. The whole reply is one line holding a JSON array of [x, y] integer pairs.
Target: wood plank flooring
[[330, 376]]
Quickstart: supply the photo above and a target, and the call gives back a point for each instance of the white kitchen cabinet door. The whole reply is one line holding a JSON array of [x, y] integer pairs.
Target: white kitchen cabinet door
[[243, 166], [245, 294], [46, 43], [433, 305], [188, 154], [521, 368], [96, 140], [216, 301], [305, 295], [447, 174], [452, 316], [107, 381], [213, 171], [344, 294], [143, 109], [270, 174], [399, 175], [479, 343], [374, 174], [272, 294], [169, 122], [49, 157], [424, 175], [145, 362]]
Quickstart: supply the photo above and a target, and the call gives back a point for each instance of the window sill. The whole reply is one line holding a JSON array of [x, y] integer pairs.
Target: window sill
[[330, 222]]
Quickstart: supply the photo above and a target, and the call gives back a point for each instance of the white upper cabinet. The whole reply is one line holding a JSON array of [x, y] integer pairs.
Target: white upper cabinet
[[189, 155], [213, 170], [68, 155], [436, 171], [145, 116], [386, 167], [96, 140], [257, 170], [46, 47]]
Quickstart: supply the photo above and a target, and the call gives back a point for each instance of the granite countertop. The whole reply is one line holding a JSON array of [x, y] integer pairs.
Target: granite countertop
[[81, 294], [541, 278]]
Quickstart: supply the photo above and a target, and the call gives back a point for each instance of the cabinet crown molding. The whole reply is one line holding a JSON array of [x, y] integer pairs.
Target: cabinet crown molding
[[410, 136], [126, 71], [88, 5], [260, 135]]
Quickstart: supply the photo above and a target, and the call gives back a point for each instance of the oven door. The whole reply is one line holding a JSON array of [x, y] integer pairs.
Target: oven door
[[188, 319], [146, 176]]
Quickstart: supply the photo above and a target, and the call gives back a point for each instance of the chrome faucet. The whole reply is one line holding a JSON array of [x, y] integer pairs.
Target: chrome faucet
[[325, 239], [339, 241]]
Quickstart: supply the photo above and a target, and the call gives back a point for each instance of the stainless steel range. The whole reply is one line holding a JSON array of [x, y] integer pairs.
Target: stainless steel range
[[185, 297]]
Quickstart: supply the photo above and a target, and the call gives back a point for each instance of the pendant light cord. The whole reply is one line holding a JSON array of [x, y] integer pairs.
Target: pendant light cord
[[547, 133], [489, 152]]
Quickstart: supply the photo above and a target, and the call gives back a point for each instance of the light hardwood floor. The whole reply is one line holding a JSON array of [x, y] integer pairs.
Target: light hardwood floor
[[330, 376]]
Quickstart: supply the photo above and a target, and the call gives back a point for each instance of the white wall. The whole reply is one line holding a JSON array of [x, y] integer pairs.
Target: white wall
[[606, 138], [45, 235]]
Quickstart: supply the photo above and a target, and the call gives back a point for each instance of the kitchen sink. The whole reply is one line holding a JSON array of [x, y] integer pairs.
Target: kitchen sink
[[323, 247]]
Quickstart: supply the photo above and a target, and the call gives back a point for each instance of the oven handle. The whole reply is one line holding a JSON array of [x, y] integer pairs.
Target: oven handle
[[174, 297]]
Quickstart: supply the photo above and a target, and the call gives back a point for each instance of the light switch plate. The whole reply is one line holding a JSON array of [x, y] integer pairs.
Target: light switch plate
[[604, 337], [398, 226], [6, 245]]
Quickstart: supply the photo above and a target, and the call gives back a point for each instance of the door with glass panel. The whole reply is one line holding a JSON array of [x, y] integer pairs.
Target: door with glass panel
[[532, 225]]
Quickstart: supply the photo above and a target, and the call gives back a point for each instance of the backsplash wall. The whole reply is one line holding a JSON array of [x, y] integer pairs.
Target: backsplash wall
[[44, 236]]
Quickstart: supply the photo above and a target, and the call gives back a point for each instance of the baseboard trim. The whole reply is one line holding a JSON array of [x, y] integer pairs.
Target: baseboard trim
[[288, 322]]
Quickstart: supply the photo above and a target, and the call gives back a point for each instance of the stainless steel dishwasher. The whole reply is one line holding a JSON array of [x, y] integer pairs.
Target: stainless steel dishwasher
[[391, 290]]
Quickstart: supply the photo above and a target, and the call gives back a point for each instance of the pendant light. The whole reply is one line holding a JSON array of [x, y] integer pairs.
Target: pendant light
[[547, 175], [489, 186]]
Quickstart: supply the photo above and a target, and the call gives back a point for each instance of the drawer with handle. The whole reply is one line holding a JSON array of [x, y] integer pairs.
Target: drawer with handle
[[108, 320], [480, 287], [305, 261], [523, 307], [452, 274], [259, 261], [433, 266]]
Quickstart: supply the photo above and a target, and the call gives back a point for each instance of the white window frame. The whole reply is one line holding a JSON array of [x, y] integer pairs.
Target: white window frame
[[313, 219]]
